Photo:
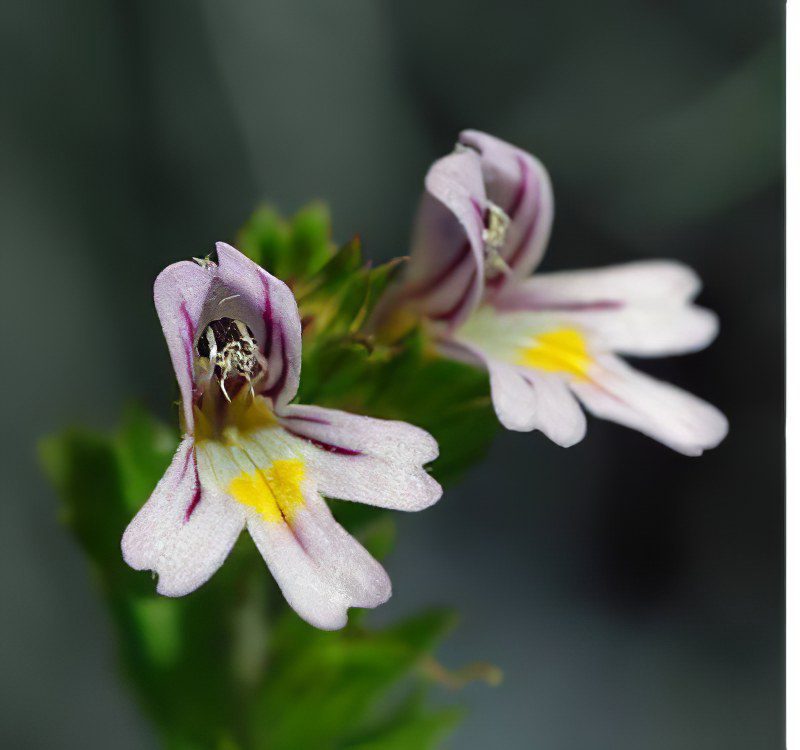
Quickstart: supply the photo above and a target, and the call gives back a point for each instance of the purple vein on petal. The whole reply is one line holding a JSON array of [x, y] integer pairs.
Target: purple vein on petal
[[188, 341], [516, 202], [197, 493], [462, 300], [304, 418], [330, 447], [266, 315], [600, 305], [280, 382], [423, 288]]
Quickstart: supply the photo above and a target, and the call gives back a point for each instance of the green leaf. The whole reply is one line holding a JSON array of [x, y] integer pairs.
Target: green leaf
[[176, 652], [310, 244], [343, 367], [265, 239], [341, 679], [231, 666], [412, 726], [405, 382], [291, 250]]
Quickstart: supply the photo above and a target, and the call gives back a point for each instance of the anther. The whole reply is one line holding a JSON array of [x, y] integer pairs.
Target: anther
[[231, 349], [494, 237]]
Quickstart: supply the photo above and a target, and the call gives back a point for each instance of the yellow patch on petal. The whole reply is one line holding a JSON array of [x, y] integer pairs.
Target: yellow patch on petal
[[247, 414], [274, 492], [563, 350], [227, 422]]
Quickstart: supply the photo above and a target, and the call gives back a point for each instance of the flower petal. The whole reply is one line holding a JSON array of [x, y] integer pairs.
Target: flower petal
[[526, 399], [267, 305], [366, 460], [518, 183], [320, 568], [180, 293], [668, 414], [445, 273], [183, 532], [641, 309]]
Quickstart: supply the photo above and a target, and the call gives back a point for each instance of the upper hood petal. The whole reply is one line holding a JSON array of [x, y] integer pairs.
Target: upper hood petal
[[180, 293], [268, 306], [188, 296], [519, 184], [445, 274]]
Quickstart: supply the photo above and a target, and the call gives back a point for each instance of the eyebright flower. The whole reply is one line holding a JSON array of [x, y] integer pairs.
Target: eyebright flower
[[551, 340], [250, 458]]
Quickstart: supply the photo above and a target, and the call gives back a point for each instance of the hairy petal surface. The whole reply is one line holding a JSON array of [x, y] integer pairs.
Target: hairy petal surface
[[270, 473], [668, 414], [180, 292], [641, 309], [321, 569], [524, 399], [184, 531], [374, 461], [444, 279]]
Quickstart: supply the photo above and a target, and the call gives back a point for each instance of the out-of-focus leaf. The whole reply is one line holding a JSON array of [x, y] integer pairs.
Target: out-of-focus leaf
[[265, 239], [310, 243], [327, 689], [292, 250], [405, 382], [345, 368], [176, 652], [209, 668], [412, 726], [230, 665], [144, 448]]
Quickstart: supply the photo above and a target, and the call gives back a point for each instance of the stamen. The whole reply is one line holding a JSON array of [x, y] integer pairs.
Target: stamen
[[497, 224], [232, 351], [494, 237]]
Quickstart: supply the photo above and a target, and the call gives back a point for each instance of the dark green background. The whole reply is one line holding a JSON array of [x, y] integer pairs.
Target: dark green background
[[633, 597]]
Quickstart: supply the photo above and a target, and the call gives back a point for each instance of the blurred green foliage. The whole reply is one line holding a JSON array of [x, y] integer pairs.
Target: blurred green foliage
[[231, 667], [346, 368]]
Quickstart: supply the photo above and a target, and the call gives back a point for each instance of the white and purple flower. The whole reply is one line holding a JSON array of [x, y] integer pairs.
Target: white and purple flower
[[549, 341], [249, 458]]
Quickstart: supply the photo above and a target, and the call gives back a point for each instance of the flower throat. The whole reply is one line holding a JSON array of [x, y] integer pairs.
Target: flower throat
[[231, 349]]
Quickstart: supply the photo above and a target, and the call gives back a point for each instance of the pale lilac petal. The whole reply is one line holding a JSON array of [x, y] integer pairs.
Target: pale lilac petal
[[617, 392], [641, 281], [445, 273], [641, 309], [526, 399], [519, 184], [248, 293], [180, 293], [373, 461], [184, 531], [321, 569]]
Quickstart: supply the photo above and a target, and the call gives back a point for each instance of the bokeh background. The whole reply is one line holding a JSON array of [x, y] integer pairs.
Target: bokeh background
[[633, 597]]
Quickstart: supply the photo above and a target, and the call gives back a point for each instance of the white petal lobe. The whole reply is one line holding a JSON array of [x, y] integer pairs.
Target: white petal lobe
[[668, 414], [180, 535]]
